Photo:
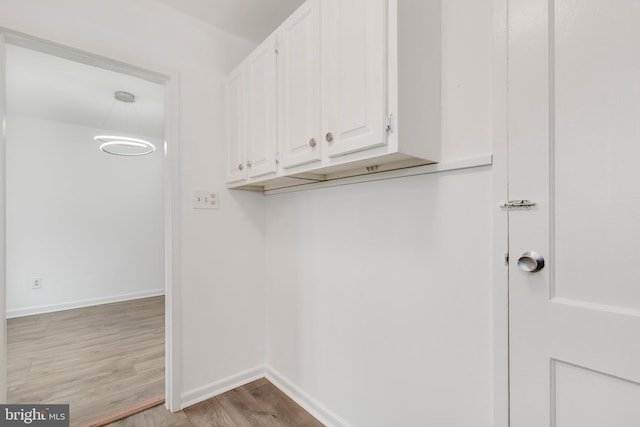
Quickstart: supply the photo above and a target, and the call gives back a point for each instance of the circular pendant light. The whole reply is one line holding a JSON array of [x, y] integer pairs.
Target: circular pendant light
[[124, 145]]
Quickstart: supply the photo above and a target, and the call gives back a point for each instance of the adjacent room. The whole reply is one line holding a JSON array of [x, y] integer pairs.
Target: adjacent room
[[85, 236]]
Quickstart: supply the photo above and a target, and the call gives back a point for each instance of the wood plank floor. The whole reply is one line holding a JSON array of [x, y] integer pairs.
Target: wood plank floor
[[101, 360], [257, 404]]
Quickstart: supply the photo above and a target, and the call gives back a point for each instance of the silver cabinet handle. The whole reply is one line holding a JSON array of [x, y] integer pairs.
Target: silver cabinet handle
[[312, 142], [240, 166], [249, 163], [329, 137], [531, 262]]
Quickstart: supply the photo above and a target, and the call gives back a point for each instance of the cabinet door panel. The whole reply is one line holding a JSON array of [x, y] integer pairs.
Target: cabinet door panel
[[353, 84], [261, 109], [299, 88], [235, 169]]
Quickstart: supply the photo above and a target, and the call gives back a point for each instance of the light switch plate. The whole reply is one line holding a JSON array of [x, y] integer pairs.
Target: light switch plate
[[205, 199]]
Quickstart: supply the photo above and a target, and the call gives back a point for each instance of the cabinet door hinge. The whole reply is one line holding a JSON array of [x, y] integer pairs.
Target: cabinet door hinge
[[388, 123]]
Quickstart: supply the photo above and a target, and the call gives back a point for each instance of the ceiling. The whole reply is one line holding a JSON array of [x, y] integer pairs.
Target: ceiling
[[80, 94], [76, 93], [251, 20]]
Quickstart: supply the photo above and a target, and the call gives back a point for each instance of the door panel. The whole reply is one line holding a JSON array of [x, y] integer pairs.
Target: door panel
[[299, 86], [597, 106], [353, 61], [261, 96], [574, 103], [579, 398], [235, 169]]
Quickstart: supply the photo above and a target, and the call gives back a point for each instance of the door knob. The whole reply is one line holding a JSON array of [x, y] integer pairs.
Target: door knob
[[531, 262]]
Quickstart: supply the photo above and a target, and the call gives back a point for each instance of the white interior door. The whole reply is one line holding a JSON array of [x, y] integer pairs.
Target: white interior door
[[574, 150], [3, 239]]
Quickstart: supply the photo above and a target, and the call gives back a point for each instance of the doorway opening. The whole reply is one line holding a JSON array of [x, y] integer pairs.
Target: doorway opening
[[94, 230]]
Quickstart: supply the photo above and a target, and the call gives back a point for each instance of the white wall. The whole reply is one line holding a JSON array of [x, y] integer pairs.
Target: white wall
[[89, 224], [379, 294], [222, 252]]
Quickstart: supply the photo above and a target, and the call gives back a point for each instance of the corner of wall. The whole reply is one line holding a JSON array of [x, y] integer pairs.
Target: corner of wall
[[308, 403], [215, 388]]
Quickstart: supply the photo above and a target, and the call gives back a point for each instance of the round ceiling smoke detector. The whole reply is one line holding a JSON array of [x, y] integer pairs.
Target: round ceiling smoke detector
[[123, 96]]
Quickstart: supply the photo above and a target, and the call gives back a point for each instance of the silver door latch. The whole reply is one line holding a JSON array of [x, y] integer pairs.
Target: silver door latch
[[518, 204]]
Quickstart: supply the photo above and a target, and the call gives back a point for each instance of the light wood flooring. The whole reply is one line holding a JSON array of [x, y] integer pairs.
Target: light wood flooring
[[258, 404], [101, 360]]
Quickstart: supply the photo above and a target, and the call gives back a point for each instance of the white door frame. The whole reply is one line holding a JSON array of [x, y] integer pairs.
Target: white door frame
[[500, 234], [170, 79], [3, 239]]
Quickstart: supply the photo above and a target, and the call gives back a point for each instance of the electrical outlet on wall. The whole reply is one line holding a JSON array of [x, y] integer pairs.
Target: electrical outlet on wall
[[205, 199], [36, 283]]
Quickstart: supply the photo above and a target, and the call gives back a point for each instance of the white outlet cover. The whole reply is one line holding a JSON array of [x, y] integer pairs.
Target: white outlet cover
[[205, 199], [36, 283]]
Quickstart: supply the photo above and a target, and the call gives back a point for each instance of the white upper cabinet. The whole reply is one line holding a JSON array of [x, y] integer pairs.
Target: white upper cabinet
[[341, 88], [299, 87], [235, 125], [261, 98], [353, 75]]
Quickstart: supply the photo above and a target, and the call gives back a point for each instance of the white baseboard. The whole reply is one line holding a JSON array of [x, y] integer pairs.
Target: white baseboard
[[311, 405], [229, 383], [308, 403], [29, 311]]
